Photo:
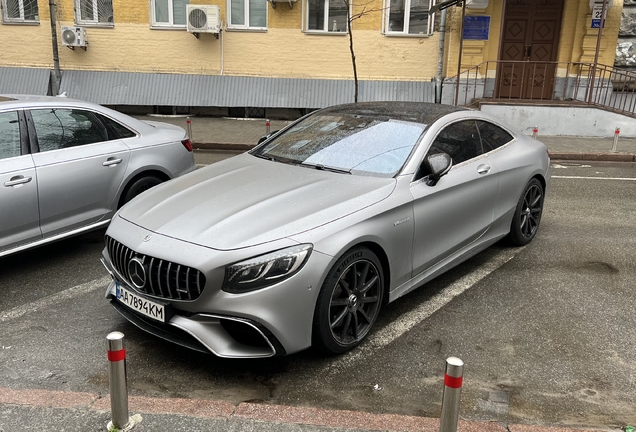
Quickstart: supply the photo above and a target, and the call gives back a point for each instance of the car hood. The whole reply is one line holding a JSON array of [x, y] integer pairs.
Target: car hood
[[245, 201]]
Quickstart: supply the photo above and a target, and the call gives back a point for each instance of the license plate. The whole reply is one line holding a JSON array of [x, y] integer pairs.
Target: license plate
[[149, 308]]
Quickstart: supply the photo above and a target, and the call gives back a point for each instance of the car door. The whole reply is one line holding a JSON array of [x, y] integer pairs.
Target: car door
[[19, 217], [459, 208], [79, 169]]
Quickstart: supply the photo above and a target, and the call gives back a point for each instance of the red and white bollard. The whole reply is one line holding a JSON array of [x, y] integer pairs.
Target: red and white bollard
[[117, 382], [189, 127], [535, 132], [453, 379], [617, 132], [267, 126]]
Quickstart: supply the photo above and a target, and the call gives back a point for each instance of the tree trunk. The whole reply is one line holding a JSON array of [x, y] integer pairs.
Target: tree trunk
[[353, 57]]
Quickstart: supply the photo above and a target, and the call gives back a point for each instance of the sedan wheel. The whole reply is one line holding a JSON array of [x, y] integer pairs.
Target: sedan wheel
[[140, 185], [349, 302], [525, 222]]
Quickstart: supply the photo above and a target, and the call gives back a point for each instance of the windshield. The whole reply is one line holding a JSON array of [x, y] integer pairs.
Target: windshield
[[350, 143]]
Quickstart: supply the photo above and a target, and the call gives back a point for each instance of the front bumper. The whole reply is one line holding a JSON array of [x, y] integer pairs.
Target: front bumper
[[272, 321]]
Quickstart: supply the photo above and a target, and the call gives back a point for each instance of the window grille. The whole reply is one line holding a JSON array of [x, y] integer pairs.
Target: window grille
[[94, 12], [20, 11]]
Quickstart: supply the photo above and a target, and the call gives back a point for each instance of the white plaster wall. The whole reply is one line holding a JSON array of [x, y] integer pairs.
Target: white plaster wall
[[567, 121]]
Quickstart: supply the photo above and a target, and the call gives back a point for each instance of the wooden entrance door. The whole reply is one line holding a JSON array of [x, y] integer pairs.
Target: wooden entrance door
[[530, 37]]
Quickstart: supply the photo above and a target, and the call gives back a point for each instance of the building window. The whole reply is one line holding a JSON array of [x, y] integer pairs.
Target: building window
[[408, 17], [169, 13], [247, 14], [326, 16], [20, 11], [97, 12]]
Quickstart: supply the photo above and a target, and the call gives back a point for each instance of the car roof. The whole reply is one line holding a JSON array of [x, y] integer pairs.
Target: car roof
[[22, 100], [421, 112]]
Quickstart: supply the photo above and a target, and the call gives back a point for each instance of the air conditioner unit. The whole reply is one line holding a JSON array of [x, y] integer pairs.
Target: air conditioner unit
[[203, 19], [74, 37]]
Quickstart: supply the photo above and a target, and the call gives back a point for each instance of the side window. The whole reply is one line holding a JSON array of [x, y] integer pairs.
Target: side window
[[64, 128], [9, 135], [118, 131], [492, 136], [460, 140]]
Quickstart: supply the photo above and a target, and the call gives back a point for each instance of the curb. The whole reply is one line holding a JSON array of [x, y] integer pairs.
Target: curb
[[593, 156], [354, 420]]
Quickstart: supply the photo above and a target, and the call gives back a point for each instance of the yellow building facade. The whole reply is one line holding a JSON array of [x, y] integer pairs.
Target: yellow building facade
[[291, 46]]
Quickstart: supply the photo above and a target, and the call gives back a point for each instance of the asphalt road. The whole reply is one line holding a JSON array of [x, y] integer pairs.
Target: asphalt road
[[547, 331]]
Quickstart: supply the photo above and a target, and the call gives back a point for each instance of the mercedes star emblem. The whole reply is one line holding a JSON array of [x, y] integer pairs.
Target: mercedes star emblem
[[137, 272]]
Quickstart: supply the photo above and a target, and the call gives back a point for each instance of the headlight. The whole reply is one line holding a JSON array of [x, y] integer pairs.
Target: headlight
[[265, 270]]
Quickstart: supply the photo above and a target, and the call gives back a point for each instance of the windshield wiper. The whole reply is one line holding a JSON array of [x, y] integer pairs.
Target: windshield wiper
[[324, 168], [266, 157]]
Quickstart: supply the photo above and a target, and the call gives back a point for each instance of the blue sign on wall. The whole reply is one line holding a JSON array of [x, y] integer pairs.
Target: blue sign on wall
[[476, 27]]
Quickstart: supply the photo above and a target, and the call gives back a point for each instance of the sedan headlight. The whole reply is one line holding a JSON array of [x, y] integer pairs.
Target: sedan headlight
[[265, 270]]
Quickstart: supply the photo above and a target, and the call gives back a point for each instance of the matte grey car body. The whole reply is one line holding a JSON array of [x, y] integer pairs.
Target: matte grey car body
[[66, 166], [263, 255]]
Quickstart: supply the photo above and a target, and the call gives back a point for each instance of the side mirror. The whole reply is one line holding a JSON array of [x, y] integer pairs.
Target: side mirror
[[438, 165], [266, 137]]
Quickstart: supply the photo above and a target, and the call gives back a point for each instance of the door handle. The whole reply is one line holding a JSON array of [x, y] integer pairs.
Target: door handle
[[527, 51], [111, 162], [483, 169], [17, 180]]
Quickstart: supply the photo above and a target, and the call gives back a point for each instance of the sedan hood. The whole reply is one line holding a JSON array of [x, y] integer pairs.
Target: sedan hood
[[245, 201]]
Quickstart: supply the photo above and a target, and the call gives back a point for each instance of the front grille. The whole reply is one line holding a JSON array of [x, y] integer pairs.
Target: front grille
[[163, 278]]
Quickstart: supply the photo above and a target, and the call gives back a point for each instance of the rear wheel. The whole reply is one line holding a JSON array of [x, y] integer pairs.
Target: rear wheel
[[527, 217], [138, 186], [349, 302]]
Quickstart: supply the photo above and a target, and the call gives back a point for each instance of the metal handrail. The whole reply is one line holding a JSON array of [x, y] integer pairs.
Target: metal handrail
[[612, 88]]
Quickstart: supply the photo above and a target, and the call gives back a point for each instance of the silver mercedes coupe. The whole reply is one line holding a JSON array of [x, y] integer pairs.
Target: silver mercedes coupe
[[300, 241], [66, 166]]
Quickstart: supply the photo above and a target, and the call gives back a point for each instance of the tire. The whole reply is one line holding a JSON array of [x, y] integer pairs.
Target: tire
[[138, 186], [525, 222], [349, 302]]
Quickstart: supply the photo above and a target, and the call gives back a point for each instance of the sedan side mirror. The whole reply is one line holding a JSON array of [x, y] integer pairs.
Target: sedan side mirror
[[266, 137], [438, 165]]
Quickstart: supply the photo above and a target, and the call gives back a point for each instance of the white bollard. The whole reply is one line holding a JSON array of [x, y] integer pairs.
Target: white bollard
[[453, 379], [267, 126], [617, 132], [117, 381], [535, 132]]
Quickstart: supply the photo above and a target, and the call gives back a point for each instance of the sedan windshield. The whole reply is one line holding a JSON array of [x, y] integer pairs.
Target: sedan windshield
[[346, 143]]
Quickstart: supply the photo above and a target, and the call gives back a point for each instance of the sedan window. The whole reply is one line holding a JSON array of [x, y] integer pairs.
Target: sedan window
[[64, 128], [9, 135], [459, 140], [492, 136], [359, 144], [118, 131]]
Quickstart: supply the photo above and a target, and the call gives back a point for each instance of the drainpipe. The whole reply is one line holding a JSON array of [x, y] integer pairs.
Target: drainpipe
[[57, 75], [461, 48], [440, 60]]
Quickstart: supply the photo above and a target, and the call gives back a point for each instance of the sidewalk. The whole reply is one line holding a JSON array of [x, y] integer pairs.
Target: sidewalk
[[38, 410], [242, 134]]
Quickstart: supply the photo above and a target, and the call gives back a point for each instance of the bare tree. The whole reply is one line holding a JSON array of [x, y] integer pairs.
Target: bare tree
[[363, 10]]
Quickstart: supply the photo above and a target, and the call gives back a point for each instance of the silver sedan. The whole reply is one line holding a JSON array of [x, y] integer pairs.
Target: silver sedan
[[300, 241], [66, 166]]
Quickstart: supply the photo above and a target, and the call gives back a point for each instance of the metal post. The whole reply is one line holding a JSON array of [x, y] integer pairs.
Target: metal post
[[598, 48], [57, 74], [461, 48], [267, 126], [117, 379], [617, 132], [453, 378], [189, 124], [535, 132]]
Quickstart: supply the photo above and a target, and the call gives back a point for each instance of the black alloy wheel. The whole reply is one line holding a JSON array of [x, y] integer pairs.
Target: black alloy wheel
[[349, 302], [527, 217]]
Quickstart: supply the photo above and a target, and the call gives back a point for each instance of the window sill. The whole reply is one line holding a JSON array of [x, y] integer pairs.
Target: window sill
[[325, 33], [28, 23], [156, 27], [251, 30], [407, 35], [95, 25]]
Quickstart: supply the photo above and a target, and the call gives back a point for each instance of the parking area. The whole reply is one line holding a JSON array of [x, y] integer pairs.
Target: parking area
[[546, 331]]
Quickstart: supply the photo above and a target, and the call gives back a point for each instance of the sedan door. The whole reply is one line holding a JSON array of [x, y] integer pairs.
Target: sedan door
[[19, 218], [79, 169], [457, 210]]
